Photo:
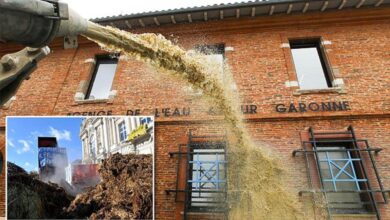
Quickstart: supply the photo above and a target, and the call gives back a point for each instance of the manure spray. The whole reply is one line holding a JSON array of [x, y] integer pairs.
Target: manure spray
[[255, 189]]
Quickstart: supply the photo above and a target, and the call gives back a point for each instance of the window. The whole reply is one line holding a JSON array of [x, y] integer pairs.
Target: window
[[310, 64], [201, 175], [146, 120], [102, 78], [340, 172], [344, 171], [215, 55], [85, 148], [122, 131], [208, 177], [92, 146]]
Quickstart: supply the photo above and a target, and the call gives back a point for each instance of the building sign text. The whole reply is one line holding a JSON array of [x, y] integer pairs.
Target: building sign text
[[313, 107]]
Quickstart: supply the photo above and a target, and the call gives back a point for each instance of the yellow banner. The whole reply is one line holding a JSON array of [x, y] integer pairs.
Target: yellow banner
[[141, 130]]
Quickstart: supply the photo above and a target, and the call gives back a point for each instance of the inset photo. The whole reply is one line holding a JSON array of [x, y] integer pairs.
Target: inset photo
[[80, 167]]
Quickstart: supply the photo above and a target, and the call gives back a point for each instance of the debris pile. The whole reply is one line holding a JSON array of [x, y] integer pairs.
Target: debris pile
[[30, 198], [125, 191]]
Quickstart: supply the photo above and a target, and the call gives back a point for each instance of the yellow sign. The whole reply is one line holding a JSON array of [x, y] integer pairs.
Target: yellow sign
[[141, 130]]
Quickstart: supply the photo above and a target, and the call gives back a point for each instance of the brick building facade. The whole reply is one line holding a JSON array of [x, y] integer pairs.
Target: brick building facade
[[355, 41]]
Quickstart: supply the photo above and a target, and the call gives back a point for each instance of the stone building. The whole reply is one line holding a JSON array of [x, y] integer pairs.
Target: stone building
[[336, 114], [104, 136]]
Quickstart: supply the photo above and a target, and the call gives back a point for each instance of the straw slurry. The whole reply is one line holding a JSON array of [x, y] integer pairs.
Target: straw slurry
[[256, 188]]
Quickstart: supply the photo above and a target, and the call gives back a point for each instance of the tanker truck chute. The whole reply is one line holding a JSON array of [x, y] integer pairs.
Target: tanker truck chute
[[32, 23]]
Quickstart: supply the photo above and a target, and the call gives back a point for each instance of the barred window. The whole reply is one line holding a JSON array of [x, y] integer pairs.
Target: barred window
[[344, 171], [207, 178], [341, 172], [201, 175]]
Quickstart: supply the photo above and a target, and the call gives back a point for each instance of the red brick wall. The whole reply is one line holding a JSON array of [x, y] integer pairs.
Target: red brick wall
[[359, 49], [258, 62], [282, 137]]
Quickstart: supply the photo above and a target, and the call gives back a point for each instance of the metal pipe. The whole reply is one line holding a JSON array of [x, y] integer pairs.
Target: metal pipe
[[25, 28], [377, 176], [36, 23], [376, 150], [33, 7], [73, 26]]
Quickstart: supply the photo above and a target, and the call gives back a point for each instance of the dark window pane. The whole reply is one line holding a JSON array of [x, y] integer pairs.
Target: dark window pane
[[309, 69]]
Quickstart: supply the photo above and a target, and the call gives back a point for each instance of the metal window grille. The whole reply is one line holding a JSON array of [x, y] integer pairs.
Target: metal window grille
[[207, 177], [205, 188], [341, 170], [352, 172]]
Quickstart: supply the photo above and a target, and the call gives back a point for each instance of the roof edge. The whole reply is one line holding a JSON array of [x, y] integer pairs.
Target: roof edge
[[199, 9]]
